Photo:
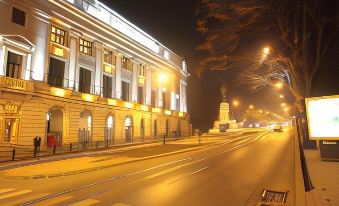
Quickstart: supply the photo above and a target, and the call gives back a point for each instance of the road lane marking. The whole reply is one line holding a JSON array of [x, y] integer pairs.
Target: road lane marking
[[202, 169], [13, 194], [6, 190], [172, 169], [86, 202], [121, 204], [101, 182], [56, 200]]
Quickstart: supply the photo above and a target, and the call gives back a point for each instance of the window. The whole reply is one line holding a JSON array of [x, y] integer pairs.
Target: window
[[125, 90], [85, 81], [140, 95], [164, 102], [107, 86], [109, 57], [85, 47], [11, 130], [127, 64], [18, 16], [142, 69], [14, 65], [58, 35], [56, 72], [153, 98]]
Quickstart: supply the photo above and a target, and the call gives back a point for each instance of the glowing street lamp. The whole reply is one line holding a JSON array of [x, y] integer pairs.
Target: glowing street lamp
[[251, 106], [266, 51], [162, 78], [281, 96], [286, 109], [260, 111], [235, 103], [279, 85], [283, 104]]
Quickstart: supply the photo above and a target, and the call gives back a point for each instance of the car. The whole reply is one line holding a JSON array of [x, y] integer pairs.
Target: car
[[277, 128]]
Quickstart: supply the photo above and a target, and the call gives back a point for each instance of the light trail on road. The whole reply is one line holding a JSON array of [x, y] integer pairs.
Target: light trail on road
[[238, 142]]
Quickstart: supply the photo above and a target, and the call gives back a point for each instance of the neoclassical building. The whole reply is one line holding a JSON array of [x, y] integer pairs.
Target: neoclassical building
[[77, 71]]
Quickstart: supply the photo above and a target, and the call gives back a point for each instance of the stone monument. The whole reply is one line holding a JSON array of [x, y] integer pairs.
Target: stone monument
[[224, 122]]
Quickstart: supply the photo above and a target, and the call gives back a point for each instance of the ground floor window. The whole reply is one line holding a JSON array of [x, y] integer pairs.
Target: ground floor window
[[128, 129], [11, 130], [109, 130]]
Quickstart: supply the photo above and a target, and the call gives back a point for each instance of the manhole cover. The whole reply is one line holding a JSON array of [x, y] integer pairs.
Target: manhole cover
[[270, 198]]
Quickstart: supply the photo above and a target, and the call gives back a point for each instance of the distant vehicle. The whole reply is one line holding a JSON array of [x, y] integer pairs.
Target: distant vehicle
[[277, 128]]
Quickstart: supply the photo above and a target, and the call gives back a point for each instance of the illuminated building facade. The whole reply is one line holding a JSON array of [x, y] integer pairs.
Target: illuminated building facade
[[77, 71]]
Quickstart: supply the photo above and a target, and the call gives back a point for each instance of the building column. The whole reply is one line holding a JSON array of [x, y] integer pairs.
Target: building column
[[135, 82], [173, 101], [148, 85], [118, 76], [98, 70], [2, 59], [183, 105], [160, 102], [28, 67], [39, 58], [73, 60]]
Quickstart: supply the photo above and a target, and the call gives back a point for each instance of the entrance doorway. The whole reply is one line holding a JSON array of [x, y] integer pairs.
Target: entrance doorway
[[167, 128], [54, 125], [155, 129], [11, 130], [128, 129], [85, 128], [142, 130], [109, 130]]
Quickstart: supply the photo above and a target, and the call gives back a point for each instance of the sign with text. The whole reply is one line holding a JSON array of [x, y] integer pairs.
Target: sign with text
[[13, 83], [323, 117]]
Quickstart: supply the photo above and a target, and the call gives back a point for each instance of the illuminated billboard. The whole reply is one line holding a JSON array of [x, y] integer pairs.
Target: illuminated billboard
[[323, 117]]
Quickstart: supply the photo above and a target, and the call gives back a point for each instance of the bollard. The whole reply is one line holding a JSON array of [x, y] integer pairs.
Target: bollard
[[54, 148], [164, 139], [70, 147], [97, 144], [107, 143], [13, 154]]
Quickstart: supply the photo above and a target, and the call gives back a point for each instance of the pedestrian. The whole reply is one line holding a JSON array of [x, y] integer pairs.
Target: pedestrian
[[35, 144], [38, 143]]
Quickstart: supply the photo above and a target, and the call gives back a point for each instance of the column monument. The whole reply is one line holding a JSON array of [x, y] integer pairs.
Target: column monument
[[223, 123]]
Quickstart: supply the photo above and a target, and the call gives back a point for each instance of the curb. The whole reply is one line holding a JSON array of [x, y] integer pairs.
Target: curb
[[42, 176]]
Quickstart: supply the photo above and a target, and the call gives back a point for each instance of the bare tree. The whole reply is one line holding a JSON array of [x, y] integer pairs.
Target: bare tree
[[305, 30]]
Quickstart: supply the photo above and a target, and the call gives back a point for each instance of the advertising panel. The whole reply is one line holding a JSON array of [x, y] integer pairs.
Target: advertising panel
[[323, 117]]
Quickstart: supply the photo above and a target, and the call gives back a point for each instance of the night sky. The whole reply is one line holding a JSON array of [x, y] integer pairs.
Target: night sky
[[173, 24]]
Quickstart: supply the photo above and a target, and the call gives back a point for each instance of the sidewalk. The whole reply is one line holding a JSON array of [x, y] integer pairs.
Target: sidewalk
[[324, 176], [103, 159]]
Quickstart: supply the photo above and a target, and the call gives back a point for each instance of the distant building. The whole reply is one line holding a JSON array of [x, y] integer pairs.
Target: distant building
[[76, 71]]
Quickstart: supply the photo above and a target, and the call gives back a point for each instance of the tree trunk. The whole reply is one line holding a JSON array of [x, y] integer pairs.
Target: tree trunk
[[308, 86]]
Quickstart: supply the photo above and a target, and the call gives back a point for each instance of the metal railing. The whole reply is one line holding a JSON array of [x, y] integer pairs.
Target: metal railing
[[57, 81], [22, 152]]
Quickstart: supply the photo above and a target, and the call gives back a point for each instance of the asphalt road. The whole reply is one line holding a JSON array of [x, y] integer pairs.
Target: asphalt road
[[233, 171]]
